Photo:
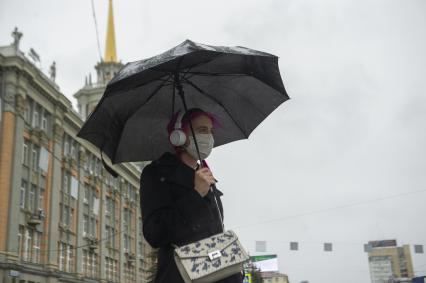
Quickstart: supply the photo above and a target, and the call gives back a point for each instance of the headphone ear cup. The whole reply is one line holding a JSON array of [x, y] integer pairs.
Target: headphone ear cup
[[177, 138]]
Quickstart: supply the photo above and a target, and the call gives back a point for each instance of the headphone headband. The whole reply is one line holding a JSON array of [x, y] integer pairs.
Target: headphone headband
[[178, 124]]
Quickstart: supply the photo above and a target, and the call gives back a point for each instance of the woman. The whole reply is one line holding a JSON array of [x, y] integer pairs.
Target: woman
[[177, 204]]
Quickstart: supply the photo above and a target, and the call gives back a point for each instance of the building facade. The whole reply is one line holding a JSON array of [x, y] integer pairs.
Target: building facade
[[273, 277], [63, 218], [389, 263]]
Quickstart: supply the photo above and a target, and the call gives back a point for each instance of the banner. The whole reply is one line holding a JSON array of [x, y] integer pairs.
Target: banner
[[265, 262]]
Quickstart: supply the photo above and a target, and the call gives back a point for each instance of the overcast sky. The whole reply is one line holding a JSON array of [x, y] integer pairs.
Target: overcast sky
[[343, 161]]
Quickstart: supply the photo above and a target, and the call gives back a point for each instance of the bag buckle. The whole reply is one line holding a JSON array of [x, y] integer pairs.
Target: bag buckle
[[215, 254]]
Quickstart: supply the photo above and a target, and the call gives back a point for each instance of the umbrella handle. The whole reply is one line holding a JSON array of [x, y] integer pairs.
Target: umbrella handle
[[181, 93]]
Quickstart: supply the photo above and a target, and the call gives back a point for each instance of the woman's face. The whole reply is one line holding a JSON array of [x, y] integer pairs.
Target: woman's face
[[202, 125]]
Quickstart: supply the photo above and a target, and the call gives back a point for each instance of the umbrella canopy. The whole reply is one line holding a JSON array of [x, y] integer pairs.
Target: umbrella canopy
[[240, 86]]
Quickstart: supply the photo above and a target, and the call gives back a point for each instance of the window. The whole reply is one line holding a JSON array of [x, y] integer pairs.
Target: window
[[28, 108], [66, 145], [92, 164], [70, 257], [66, 182], [31, 198], [66, 215], [85, 225], [24, 186], [84, 262], [94, 265], [36, 116], [86, 163], [92, 226], [109, 206], [129, 273], [294, 246], [41, 199], [109, 236], [328, 247], [126, 242], [45, 121], [111, 269], [418, 249], [71, 216], [34, 157], [27, 245], [98, 167], [127, 218], [86, 194], [36, 247], [25, 153], [140, 249], [90, 264], [66, 257], [131, 194], [62, 256]]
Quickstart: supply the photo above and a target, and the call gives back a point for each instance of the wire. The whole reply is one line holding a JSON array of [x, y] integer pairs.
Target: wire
[[97, 33], [320, 211]]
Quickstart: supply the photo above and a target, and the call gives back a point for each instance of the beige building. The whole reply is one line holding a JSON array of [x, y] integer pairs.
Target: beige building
[[389, 263], [63, 218], [274, 277]]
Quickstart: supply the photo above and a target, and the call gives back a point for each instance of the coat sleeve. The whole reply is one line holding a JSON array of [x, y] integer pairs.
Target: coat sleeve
[[164, 220]]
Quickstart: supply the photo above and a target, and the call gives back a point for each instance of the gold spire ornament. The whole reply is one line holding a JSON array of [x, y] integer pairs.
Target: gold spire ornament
[[110, 49]]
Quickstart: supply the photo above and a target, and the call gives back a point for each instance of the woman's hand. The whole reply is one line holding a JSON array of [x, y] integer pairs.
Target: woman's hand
[[202, 180]]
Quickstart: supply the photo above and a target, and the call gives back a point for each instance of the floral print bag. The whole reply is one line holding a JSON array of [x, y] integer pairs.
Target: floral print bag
[[211, 259]]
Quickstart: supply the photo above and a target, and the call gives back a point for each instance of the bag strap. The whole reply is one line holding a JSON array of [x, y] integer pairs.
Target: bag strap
[[212, 187]]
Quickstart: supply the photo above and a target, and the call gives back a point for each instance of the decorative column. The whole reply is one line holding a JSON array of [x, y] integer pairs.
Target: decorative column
[[16, 177], [122, 258], [82, 158], [53, 217], [102, 251]]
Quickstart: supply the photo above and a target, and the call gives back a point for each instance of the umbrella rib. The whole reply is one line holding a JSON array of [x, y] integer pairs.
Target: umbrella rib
[[155, 91], [218, 102], [152, 94]]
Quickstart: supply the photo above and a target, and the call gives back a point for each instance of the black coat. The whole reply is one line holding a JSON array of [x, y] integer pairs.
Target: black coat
[[173, 212]]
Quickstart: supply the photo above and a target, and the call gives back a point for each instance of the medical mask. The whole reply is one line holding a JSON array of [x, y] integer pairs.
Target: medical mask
[[205, 145]]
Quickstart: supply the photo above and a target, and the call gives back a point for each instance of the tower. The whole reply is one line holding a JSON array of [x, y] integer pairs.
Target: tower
[[91, 93]]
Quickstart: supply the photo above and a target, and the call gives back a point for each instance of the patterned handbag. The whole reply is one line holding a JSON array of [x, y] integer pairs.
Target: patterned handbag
[[211, 259]]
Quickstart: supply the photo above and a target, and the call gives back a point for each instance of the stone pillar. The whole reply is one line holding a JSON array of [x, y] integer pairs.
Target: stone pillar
[[6, 162], [137, 239], [122, 258], [53, 217], [80, 209], [102, 251], [14, 209]]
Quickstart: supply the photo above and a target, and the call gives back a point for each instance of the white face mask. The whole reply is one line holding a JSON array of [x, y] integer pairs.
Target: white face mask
[[205, 145]]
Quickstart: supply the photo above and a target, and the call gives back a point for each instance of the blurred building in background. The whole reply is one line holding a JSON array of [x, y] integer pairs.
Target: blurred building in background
[[63, 218], [273, 277], [388, 262]]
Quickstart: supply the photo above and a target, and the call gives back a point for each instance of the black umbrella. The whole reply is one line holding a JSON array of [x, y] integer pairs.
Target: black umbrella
[[240, 86]]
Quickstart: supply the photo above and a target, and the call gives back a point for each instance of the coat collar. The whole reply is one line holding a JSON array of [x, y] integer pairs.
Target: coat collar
[[173, 170]]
